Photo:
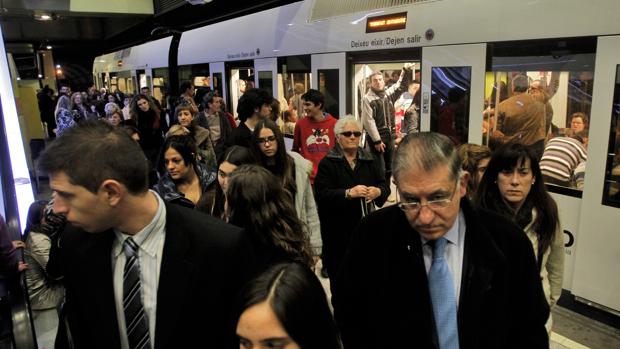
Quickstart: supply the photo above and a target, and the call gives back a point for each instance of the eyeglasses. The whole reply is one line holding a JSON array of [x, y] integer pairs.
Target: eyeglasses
[[351, 133], [434, 205], [269, 139]]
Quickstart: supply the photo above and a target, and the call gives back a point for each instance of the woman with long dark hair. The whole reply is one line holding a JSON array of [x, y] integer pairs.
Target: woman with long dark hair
[[146, 117], [513, 186], [292, 170], [183, 179], [233, 157], [286, 307], [257, 202]]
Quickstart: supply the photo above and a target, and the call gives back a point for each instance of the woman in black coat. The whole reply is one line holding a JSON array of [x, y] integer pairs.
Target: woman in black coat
[[348, 185]]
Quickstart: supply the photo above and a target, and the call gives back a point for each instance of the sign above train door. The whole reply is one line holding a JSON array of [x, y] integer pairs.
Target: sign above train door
[[384, 23]]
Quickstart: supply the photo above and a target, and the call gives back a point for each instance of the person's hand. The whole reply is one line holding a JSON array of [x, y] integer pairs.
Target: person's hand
[[18, 244], [358, 191], [409, 66], [497, 134], [21, 266], [92, 108], [373, 193], [380, 147]]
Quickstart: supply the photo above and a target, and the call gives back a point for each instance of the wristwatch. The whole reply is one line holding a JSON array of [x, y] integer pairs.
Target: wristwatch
[[347, 194]]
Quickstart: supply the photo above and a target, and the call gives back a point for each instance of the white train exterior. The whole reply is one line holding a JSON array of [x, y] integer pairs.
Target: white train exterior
[[440, 33]]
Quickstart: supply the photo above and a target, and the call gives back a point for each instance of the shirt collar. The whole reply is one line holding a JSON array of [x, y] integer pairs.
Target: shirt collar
[[454, 232], [145, 238]]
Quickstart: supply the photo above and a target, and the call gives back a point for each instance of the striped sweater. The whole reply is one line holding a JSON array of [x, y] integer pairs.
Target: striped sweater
[[561, 157]]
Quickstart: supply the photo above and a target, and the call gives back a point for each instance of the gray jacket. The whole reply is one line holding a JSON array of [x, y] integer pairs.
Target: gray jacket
[[304, 201]]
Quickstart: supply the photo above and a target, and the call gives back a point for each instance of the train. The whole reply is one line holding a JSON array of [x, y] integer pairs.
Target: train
[[570, 45]]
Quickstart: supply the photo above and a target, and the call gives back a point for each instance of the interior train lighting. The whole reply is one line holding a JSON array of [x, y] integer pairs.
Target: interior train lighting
[[21, 174]]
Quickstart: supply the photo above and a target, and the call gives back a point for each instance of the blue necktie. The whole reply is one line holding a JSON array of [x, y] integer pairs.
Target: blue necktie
[[443, 298], [136, 321]]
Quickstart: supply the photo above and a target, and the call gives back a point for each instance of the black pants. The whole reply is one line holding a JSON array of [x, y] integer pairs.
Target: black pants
[[385, 158]]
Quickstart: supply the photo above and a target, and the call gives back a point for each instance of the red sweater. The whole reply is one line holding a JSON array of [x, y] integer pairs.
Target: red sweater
[[313, 139]]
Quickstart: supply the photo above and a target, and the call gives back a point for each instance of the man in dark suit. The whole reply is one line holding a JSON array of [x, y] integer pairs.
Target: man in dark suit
[[397, 288], [138, 273]]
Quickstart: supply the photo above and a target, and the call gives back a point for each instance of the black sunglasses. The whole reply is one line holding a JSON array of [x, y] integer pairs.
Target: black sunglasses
[[349, 133], [269, 139]]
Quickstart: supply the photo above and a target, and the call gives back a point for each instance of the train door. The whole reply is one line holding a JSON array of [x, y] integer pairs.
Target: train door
[[452, 76], [560, 75], [239, 77], [329, 76], [598, 244], [217, 79], [266, 72], [365, 66]]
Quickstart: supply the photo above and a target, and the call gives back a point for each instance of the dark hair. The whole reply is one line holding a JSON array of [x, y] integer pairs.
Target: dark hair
[[297, 299], [583, 117], [284, 165], [314, 96], [134, 110], [251, 100], [185, 146], [92, 151], [208, 98], [184, 86], [36, 212], [258, 203], [184, 105], [471, 155], [286, 115], [235, 155], [507, 157]]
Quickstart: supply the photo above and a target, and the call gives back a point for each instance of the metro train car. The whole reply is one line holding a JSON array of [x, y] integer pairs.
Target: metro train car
[[571, 47]]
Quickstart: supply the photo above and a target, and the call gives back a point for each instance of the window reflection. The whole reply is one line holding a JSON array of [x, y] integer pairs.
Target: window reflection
[[611, 193], [450, 88], [544, 101]]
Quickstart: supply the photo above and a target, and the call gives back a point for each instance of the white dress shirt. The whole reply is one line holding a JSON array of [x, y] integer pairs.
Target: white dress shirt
[[453, 253], [151, 241]]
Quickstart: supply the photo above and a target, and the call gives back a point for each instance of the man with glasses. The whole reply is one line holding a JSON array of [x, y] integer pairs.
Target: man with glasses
[[444, 275]]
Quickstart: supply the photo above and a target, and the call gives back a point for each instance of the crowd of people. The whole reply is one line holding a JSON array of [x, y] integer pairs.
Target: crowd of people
[[199, 228]]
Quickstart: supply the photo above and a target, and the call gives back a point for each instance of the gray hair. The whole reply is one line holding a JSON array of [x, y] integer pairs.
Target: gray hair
[[426, 151], [520, 83], [345, 120]]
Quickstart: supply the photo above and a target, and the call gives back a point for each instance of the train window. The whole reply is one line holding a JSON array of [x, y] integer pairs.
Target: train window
[[216, 84], [406, 102], [265, 80], [450, 88], [611, 192], [160, 84], [329, 87], [540, 94], [293, 81]]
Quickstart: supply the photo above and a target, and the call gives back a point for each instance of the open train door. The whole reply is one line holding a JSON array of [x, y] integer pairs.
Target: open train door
[[453, 91], [595, 276], [329, 76]]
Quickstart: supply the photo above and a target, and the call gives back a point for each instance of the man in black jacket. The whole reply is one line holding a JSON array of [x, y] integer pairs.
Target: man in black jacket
[[492, 295], [132, 264]]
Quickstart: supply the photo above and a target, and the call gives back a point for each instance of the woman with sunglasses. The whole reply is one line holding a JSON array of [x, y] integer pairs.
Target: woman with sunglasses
[[513, 186], [292, 170], [348, 185]]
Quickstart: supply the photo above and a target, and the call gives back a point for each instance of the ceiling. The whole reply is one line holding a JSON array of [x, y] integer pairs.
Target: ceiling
[[94, 33]]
